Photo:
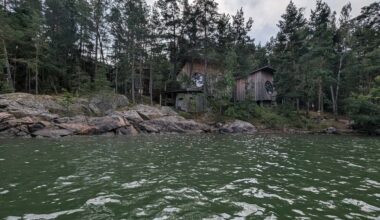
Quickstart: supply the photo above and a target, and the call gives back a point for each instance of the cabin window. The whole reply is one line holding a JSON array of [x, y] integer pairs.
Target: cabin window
[[198, 79], [269, 87]]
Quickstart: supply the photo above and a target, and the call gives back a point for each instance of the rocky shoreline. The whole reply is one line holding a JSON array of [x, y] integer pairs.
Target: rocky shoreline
[[26, 115]]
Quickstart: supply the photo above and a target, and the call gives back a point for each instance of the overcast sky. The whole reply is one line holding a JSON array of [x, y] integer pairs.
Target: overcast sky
[[267, 13]]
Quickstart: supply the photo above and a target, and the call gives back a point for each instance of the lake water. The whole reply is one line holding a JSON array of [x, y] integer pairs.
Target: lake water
[[191, 177]]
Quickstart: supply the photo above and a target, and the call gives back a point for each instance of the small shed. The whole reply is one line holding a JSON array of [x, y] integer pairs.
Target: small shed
[[257, 86], [189, 100]]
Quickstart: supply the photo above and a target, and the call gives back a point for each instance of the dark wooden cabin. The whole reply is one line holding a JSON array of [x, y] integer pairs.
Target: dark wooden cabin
[[194, 79], [257, 86]]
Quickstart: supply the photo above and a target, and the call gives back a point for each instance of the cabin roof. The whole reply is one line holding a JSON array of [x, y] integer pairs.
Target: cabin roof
[[267, 69], [190, 90], [211, 63]]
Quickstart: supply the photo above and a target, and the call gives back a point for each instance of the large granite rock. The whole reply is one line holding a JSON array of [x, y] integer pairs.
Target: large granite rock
[[173, 124], [107, 124], [4, 116], [147, 112], [46, 116], [128, 131], [23, 105], [82, 125], [238, 126], [52, 133], [4, 120], [131, 115], [10, 126], [331, 130], [80, 119], [78, 128], [101, 103]]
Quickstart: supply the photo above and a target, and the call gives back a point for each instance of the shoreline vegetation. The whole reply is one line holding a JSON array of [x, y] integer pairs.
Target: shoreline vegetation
[[26, 115], [101, 59]]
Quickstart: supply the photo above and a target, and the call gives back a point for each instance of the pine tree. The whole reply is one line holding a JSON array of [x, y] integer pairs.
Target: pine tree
[[287, 53], [321, 46], [207, 10], [342, 39], [243, 44], [224, 36], [170, 14], [6, 32]]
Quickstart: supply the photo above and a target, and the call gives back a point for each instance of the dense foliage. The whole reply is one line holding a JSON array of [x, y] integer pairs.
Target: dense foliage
[[327, 64], [85, 45], [323, 63]]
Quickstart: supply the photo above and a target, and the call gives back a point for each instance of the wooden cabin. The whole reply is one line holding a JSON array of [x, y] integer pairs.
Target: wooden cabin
[[257, 86], [194, 79], [192, 75]]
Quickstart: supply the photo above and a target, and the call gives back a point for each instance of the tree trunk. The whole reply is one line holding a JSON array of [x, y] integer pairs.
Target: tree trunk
[[116, 78], [29, 81], [338, 86], [151, 80], [8, 68], [333, 101], [175, 50], [101, 47], [320, 95], [80, 42], [15, 71], [96, 56], [133, 78], [141, 88], [36, 70], [175, 54], [205, 69], [97, 36]]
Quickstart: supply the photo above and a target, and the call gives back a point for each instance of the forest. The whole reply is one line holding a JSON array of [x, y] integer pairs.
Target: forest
[[328, 62]]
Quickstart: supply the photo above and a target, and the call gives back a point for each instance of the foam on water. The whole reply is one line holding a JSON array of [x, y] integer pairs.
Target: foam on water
[[103, 200], [50, 215], [365, 207], [248, 209], [134, 184], [4, 192]]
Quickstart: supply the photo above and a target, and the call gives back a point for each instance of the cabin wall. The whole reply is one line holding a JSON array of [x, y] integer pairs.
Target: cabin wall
[[261, 93], [253, 87], [192, 103], [240, 90]]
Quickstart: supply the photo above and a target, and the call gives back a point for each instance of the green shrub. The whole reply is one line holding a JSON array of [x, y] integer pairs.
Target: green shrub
[[276, 118], [243, 111], [5, 88], [364, 113], [186, 115]]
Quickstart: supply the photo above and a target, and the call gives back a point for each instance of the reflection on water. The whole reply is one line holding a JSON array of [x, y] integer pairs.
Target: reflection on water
[[191, 177]]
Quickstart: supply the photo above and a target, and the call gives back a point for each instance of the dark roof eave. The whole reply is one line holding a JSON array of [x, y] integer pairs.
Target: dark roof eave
[[267, 68], [185, 91]]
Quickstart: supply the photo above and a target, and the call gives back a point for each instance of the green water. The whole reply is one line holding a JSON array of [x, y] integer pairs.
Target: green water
[[191, 177]]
